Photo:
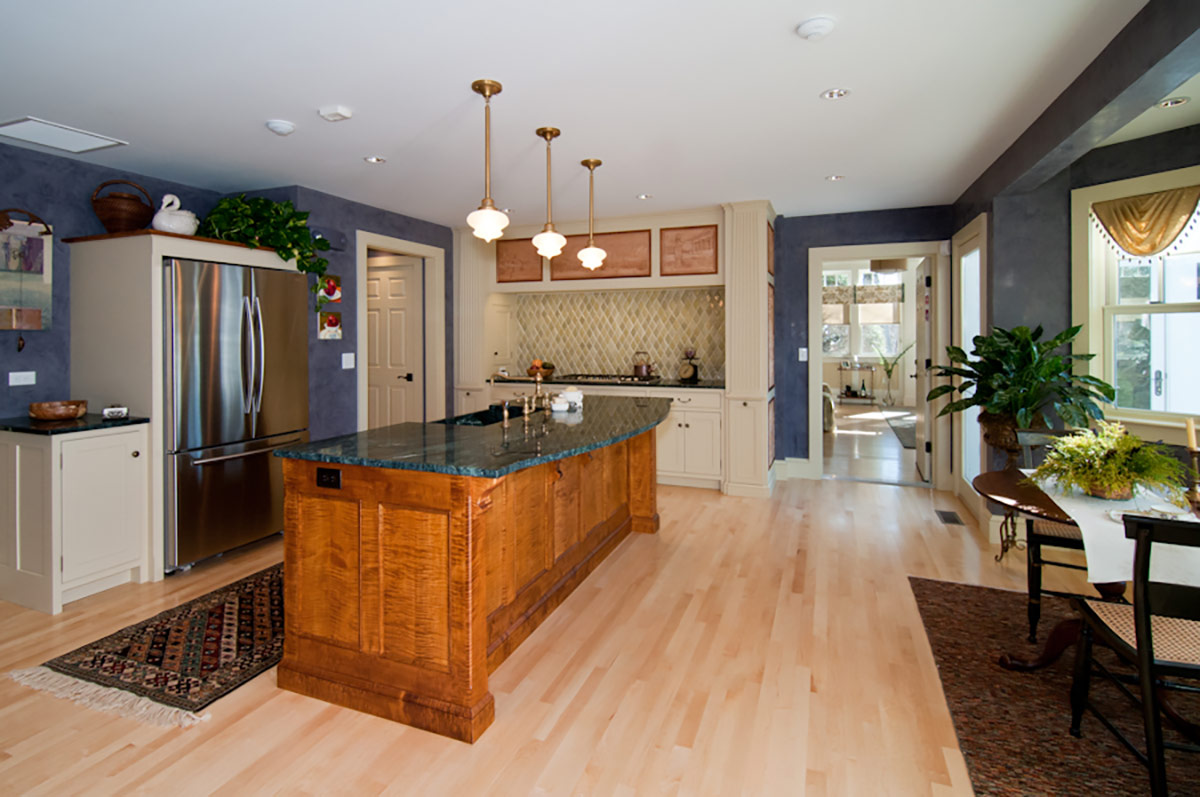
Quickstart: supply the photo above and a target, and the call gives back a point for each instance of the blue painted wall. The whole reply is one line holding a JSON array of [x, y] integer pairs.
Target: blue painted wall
[[60, 191], [794, 236]]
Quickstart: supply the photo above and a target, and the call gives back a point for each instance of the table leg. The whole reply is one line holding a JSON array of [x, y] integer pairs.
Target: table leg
[[1062, 636]]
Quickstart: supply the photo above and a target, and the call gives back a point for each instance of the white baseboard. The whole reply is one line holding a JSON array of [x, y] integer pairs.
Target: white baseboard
[[689, 481], [746, 490], [796, 468]]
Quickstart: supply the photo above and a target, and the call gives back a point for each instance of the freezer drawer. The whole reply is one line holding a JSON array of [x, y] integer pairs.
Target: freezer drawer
[[222, 497]]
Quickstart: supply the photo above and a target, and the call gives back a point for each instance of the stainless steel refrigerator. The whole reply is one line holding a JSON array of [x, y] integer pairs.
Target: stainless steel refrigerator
[[236, 350]]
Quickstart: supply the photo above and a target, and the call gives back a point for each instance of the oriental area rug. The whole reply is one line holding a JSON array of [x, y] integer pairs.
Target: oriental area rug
[[1013, 727], [167, 669]]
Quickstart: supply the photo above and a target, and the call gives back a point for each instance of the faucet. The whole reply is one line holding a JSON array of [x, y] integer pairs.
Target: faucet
[[504, 413]]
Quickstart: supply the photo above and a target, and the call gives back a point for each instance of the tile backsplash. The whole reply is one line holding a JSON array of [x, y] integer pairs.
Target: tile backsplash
[[598, 333]]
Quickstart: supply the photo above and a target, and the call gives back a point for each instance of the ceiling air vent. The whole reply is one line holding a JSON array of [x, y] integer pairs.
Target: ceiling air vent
[[56, 136]]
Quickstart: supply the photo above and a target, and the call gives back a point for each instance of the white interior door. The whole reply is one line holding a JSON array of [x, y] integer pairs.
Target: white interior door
[[924, 354], [395, 361], [969, 252]]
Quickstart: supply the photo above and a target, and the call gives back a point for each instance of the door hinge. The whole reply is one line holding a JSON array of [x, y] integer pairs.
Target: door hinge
[[928, 363], [929, 282], [928, 447]]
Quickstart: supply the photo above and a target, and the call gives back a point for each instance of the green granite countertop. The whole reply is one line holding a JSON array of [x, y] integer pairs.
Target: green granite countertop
[[490, 451]]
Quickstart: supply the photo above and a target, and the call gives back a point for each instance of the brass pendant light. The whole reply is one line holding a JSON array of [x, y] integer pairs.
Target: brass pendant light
[[549, 241], [592, 257], [487, 222]]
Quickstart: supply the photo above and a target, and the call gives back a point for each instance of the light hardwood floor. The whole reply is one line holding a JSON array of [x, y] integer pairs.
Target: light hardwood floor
[[864, 447], [753, 646]]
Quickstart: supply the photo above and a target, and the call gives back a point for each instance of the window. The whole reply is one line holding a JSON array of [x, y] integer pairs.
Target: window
[[835, 279], [879, 329], [860, 312], [1140, 315], [867, 277], [1151, 325]]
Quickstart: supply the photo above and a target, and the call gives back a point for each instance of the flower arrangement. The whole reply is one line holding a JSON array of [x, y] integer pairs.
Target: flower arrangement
[[1109, 462]]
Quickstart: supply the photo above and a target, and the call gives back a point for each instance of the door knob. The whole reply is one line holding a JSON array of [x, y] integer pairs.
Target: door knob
[[406, 377], [136, 454]]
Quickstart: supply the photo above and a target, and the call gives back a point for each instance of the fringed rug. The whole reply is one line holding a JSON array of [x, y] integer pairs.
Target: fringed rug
[[1013, 727], [167, 669]]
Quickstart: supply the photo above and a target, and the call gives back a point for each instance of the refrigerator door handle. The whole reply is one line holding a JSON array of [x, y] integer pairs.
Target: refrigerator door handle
[[262, 356], [247, 383], [242, 455]]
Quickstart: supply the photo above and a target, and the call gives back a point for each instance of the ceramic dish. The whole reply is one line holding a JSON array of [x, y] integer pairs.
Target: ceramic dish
[[57, 410]]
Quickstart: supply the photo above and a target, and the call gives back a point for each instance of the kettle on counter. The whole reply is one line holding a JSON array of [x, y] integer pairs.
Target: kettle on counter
[[642, 367]]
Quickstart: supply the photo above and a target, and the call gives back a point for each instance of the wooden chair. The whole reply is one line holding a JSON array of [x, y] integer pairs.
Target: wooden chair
[[1041, 534], [1159, 635]]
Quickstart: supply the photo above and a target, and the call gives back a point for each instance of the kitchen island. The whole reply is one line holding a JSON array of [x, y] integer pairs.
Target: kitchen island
[[418, 556]]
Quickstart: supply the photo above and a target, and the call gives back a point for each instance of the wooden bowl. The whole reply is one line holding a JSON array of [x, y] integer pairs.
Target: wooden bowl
[[57, 410]]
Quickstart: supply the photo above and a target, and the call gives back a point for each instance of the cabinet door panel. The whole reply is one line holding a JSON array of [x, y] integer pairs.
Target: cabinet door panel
[[670, 443], [100, 494], [566, 505], [702, 443]]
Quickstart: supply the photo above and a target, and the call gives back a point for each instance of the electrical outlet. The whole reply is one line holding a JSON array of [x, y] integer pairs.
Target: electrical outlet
[[16, 378]]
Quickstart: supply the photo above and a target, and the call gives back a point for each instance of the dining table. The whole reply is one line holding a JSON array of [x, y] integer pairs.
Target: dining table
[[1109, 553]]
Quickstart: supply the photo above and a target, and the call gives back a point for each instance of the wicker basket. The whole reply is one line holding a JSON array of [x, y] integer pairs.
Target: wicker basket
[[121, 212], [57, 410]]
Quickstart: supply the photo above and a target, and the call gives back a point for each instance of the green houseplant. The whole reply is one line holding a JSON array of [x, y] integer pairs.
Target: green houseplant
[[1110, 462], [889, 367], [1015, 377], [258, 221]]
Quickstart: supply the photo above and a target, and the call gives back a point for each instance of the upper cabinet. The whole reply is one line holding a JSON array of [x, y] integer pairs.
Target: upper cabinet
[[669, 250]]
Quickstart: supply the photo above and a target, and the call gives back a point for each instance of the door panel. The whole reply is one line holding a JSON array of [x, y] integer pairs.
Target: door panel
[[210, 353], [702, 446], [395, 345], [281, 312]]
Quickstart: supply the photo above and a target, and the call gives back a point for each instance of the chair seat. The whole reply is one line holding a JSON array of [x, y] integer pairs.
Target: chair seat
[[1176, 641], [1049, 528]]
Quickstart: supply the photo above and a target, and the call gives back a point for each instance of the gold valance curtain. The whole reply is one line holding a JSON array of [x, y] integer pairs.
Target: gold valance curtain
[[1147, 224]]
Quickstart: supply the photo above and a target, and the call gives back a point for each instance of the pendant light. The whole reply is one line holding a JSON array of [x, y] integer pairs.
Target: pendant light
[[549, 241], [593, 256], [487, 222]]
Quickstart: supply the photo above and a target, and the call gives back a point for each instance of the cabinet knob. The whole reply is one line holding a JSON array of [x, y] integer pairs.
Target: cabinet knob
[[744, 404], [687, 426], [136, 454]]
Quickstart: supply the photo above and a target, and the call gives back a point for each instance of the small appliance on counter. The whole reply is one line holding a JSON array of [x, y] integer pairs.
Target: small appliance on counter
[[642, 367], [689, 372], [114, 411]]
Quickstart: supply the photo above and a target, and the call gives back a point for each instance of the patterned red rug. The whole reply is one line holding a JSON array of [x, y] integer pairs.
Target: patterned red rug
[[1013, 727], [166, 669]]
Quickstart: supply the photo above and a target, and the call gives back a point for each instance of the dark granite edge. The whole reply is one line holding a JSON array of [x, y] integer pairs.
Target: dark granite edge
[[703, 384], [537, 459], [88, 423]]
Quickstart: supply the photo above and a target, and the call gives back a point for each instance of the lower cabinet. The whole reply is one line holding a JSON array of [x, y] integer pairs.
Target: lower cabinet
[[74, 514], [689, 440]]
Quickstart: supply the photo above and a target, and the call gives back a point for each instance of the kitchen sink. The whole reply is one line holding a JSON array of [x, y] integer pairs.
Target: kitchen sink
[[491, 415]]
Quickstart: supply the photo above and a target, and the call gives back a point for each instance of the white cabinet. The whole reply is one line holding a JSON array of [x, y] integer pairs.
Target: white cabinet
[[689, 440], [74, 514], [470, 400]]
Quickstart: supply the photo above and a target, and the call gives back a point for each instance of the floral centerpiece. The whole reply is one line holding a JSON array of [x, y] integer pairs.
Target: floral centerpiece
[[1110, 462]]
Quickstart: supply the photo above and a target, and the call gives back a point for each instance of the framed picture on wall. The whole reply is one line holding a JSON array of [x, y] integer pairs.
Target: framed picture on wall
[[26, 276]]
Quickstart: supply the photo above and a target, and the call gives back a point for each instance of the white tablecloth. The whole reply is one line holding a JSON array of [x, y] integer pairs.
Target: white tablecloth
[[1110, 552]]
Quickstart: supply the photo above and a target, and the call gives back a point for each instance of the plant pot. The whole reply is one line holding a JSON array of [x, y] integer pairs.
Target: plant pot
[[1000, 431], [1122, 493]]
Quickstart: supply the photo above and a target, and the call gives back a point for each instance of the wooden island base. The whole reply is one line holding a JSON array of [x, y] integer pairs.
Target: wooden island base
[[404, 589]]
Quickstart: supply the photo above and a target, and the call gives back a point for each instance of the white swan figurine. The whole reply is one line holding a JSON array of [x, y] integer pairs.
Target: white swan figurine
[[172, 219]]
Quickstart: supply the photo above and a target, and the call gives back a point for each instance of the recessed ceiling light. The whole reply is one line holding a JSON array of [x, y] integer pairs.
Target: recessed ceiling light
[[834, 94], [281, 127], [375, 159], [645, 196], [815, 29], [1174, 102], [836, 178], [56, 136]]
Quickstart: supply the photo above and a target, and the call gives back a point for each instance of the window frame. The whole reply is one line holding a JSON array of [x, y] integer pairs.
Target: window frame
[[1092, 279]]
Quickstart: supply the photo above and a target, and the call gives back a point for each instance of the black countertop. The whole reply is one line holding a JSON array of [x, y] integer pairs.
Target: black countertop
[[93, 420], [490, 451], [703, 384]]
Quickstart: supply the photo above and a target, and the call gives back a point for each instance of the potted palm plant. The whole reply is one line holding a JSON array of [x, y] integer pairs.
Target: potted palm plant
[[1015, 378]]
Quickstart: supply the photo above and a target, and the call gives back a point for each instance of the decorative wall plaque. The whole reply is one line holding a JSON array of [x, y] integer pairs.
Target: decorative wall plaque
[[628, 256], [688, 250], [517, 261]]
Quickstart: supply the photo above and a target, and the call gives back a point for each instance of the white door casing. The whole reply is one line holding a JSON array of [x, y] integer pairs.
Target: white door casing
[[395, 367], [924, 353], [969, 276]]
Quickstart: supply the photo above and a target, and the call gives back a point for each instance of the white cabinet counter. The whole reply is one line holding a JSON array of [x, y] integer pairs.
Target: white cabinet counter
[[689, 440], [74, 508]]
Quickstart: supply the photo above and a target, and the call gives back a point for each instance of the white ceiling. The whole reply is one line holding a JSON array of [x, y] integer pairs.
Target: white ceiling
[[696, 102]]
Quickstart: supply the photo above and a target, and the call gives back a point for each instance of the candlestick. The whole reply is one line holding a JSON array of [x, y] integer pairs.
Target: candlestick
[[1191, 434]]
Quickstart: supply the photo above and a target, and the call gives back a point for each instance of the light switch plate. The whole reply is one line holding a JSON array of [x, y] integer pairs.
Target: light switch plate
[[802, 354], [22, 378], [348, 361]]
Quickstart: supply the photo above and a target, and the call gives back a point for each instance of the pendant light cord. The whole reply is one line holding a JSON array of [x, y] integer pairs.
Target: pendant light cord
[[487, 149]]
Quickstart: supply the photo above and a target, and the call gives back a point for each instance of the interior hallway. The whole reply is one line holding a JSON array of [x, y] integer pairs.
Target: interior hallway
[[753, 646], [864, 447]]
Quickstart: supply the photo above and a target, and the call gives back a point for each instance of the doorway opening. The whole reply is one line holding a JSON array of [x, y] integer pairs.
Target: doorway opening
[[401, 330], [874, 325]]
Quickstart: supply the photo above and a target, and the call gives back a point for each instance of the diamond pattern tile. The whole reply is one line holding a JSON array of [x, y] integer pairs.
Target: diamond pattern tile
[[598, 332]]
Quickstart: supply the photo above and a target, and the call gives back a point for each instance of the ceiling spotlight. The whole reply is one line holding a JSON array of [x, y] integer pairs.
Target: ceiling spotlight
[[1174, 102], [645, 196], [836, 178], [375, 159], [834, 94], [335, 113], [281, 127], [815, 29]]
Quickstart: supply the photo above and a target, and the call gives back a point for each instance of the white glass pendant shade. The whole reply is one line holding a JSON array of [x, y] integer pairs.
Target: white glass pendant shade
[[592, 257], [549, 243], [488, 223]]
